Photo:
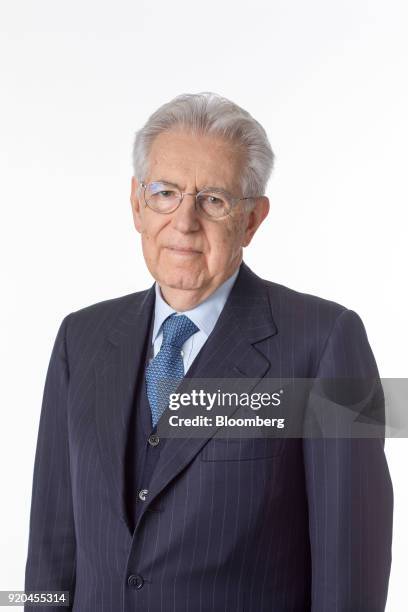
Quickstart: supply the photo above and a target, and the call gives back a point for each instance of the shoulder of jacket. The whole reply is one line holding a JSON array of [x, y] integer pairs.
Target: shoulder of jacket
[[100, 315], [282, 296]]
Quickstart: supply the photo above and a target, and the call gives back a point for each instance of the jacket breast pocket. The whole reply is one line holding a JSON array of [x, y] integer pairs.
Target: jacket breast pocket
[[236, 449]]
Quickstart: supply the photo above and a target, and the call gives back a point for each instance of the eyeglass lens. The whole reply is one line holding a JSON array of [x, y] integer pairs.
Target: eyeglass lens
[[164, 198]]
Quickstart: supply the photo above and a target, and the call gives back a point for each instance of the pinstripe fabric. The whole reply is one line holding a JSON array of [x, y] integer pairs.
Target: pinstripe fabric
[[243, 526]]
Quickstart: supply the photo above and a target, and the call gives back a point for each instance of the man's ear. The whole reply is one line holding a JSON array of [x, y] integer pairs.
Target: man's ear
[[135, 202], [255, 218]]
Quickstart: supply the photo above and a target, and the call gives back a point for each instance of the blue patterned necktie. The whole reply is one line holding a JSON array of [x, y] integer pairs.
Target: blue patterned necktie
[[165, 371]]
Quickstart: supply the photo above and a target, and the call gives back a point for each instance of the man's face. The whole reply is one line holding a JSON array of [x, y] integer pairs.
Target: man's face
[[185, 250]]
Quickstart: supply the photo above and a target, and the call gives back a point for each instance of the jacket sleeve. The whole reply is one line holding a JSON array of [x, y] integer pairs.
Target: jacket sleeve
[[349, 490], [50, 563]]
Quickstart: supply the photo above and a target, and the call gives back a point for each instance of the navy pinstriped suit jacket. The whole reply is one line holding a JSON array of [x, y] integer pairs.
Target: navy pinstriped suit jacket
[[301, 526]]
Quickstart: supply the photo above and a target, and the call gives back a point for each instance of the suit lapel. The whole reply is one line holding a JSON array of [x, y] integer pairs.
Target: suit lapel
[[116, 373]]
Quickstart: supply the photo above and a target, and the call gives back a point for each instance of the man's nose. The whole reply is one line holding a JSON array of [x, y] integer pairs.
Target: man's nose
[[186, 218]]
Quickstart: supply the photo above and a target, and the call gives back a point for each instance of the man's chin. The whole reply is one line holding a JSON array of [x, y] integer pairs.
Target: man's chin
[[187, 280]]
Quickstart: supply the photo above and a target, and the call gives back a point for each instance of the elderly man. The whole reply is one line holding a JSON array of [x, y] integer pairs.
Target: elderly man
[[125, 519]]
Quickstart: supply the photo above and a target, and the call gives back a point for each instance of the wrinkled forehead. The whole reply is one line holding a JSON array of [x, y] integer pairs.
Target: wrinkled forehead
[[195, 161]]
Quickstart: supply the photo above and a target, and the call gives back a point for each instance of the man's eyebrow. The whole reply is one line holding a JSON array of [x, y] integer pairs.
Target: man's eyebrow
[[204, 188], [165, 181]]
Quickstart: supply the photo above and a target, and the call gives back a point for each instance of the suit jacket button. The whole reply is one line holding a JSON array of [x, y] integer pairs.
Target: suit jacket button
[[135, 581], [143, 493], [153, 440]]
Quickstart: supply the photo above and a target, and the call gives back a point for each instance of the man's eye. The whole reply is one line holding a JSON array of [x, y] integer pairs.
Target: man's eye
[[213, 200], [166, 193]]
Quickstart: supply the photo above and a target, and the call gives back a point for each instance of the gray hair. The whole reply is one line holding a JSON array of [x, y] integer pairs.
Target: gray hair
[[209, 113]]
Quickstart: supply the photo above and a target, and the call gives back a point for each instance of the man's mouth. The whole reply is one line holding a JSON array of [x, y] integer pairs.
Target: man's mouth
[[177, 250]]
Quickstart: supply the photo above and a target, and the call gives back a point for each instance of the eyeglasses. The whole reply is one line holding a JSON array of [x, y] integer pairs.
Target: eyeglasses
[[165, 198]]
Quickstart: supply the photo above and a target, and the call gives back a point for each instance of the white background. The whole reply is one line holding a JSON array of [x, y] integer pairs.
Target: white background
[[327, 79]]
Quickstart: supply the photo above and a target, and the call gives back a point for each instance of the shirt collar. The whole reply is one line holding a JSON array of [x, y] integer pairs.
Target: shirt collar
[[204, 315]]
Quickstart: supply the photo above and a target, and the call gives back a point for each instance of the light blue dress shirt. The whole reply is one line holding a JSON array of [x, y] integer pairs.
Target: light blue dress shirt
[[204, 315]]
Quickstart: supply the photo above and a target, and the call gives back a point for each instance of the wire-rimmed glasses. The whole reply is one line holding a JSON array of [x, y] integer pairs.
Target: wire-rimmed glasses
[[165, 198]]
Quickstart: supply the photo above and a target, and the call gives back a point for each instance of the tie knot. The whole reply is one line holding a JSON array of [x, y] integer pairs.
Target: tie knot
[[177, 329]]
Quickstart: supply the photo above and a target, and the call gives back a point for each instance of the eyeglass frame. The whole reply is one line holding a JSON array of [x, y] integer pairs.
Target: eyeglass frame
[[234, 200]]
